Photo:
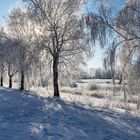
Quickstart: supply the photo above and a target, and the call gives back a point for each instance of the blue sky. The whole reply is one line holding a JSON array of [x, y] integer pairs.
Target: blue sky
[[95, 62], [5, 6]]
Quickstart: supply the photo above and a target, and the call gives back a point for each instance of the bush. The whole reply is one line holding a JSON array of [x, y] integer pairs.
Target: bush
[[92, 86], [78, 93], [73, 85], [97, 95]]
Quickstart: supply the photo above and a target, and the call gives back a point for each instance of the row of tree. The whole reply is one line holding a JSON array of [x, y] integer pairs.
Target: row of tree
[[57, 35], [44, 34]]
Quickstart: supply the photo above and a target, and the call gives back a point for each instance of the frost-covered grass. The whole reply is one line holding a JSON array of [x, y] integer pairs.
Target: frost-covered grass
[[93, 93], [96, 93], [27, 116]]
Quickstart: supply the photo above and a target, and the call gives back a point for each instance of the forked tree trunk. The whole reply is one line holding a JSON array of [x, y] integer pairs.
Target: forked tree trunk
[[10, 81], [1, 80], [22, 80], [55, 77]]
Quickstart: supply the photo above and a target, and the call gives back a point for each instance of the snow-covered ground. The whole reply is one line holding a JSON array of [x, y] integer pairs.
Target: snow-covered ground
[[100, 95], [24, 116]]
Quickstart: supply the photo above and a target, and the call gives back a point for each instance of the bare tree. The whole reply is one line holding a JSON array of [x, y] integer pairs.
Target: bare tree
[[10, 53], [2, 57], [62, 32], [2, 69], [22, 31]]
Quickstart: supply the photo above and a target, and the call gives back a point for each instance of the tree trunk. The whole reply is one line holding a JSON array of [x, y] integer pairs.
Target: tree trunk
[[120, 79], [55, 77], [22, 80], [113, 77], [10, 81], [113, 80], [1, 80], [10, 76]]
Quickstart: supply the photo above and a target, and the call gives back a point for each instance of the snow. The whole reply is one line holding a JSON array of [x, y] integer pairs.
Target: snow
[[24, 116]]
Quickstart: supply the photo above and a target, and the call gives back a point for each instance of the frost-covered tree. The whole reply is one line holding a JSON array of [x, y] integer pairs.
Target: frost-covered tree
[[62, 33], [22, 31], [11, 58], [9, 55], [2, 55]]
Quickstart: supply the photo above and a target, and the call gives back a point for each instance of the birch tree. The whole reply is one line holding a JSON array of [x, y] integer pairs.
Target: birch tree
[[22, 31], [2, 56], [62, 32]]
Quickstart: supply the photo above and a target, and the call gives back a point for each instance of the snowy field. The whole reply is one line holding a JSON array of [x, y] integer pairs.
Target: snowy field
[[26, 116], [96, 93]]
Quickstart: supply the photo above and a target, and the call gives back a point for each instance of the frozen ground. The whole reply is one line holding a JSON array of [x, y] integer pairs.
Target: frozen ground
[[27, 117]]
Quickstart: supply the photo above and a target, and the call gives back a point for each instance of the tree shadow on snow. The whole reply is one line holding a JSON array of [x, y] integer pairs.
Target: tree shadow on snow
[[28, 117]]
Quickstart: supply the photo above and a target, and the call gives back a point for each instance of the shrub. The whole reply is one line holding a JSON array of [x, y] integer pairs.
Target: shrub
[[97, 95], [92, 86], [78, 93], [73, 85]]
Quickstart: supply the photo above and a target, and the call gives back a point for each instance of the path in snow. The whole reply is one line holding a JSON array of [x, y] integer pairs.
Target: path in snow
[[27, 117]]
